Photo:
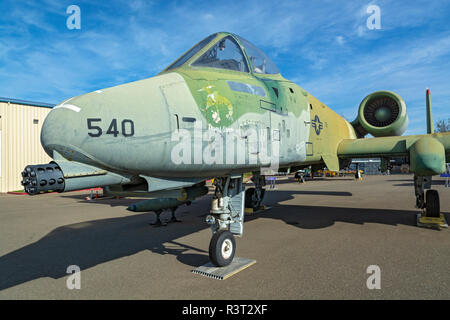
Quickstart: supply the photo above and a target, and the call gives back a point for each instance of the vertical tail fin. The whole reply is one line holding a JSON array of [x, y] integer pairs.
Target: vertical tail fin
[[430, 127]]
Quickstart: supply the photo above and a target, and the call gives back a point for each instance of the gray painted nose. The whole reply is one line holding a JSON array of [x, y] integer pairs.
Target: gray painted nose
[[60, 128]]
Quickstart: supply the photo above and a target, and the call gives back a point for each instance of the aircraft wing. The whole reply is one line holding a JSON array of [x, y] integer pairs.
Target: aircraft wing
[[428, 153]]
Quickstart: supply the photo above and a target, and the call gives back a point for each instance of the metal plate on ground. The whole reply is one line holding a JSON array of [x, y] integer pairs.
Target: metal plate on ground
[[222, 273], [262, 209], [433, 223]]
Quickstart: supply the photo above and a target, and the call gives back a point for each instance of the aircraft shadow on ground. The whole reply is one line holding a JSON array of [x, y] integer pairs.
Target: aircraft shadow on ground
[[411, 184], [317, 193], [91, 243], [308, 179]]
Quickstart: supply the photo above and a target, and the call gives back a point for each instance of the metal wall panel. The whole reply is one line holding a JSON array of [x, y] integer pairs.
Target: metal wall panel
[[20, 142]]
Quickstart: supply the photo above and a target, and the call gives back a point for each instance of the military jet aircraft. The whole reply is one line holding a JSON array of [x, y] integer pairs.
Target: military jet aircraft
[[220, 110]]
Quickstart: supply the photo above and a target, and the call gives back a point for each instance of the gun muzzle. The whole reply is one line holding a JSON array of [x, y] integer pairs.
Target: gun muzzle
[[42, 178]]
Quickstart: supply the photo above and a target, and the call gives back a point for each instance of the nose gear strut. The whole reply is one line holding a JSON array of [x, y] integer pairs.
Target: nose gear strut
[[227, 214]]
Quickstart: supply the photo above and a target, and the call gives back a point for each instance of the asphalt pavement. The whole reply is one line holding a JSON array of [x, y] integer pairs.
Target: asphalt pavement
[[316, 242]]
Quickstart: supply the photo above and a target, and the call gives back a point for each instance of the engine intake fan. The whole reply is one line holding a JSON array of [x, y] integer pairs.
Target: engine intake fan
[[382, 113]]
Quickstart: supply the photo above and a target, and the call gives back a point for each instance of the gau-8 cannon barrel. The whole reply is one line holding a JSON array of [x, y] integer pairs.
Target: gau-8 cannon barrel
[[63, 176], [43, 178]]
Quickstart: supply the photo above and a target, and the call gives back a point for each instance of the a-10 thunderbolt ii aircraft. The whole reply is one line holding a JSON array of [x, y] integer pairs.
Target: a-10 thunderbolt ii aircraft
[[222, 109]]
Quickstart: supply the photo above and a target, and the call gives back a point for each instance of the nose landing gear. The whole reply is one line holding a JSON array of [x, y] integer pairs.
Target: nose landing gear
[[227, 215], [226, 219]]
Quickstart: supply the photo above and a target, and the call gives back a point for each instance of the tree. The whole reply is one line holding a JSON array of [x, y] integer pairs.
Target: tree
[[443, 125]]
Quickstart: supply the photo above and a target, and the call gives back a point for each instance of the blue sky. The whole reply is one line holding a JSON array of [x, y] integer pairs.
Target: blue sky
[[323, 46]]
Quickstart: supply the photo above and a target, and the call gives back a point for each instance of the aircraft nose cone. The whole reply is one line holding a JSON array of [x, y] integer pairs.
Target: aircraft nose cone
[[58, 127], [127, 127]]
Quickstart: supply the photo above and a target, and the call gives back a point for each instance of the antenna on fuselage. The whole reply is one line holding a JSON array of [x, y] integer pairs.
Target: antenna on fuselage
[[430, 127]]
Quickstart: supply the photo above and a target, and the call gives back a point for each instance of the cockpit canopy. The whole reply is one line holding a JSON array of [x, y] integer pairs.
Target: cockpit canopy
[[229, 52]]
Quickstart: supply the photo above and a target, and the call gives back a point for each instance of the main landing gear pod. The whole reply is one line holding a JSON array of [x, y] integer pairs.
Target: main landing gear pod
[[427, 159]]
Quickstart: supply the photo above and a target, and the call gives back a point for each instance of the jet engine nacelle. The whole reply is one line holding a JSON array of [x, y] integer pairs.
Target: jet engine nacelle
[[382, 114]]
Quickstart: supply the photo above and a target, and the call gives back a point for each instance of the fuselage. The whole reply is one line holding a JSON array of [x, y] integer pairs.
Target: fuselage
[[196, 121], [137, 127]]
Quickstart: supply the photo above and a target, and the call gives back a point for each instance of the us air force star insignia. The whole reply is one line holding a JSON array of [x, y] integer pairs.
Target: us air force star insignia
[[317, 125]]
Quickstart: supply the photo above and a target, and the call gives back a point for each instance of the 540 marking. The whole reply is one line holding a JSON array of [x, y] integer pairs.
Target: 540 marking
[[127, 128]]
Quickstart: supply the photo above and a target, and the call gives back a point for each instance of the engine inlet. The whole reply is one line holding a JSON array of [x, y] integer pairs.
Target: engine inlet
[[381, 111]]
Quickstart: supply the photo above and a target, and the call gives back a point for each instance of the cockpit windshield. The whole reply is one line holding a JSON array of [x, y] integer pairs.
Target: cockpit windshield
[[185, 57], [227, 54], [261, 63]]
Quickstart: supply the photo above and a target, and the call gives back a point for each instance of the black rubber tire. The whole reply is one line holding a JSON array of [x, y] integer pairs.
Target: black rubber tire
[[248, 197], [433, 207], [215, 248], [249, 203]]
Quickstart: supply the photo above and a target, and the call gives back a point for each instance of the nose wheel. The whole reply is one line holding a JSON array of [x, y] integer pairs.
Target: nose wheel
[[222, 248]]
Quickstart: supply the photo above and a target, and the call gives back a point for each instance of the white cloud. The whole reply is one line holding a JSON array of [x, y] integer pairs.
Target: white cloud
[[340, 40], [326, 47], [407, 69]]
